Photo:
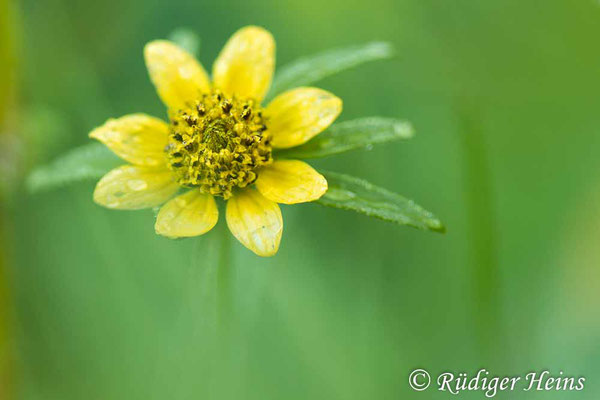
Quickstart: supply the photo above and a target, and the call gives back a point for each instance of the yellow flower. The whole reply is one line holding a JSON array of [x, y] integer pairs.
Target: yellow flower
[[218, 142]]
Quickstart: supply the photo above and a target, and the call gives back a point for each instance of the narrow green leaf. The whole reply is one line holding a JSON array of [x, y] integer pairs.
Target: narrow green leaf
[[351, 135], [308, 70], [350, 193], [90, 161], [186, 39]]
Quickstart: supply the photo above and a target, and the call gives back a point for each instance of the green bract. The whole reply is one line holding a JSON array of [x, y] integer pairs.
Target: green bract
[[350, 193], [87, 162], [351, 135], [308, 70]]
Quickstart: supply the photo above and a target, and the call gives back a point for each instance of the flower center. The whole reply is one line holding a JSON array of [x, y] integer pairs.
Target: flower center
[[218, 144]]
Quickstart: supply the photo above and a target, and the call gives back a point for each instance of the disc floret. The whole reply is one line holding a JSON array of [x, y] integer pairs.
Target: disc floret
[[218, 144]]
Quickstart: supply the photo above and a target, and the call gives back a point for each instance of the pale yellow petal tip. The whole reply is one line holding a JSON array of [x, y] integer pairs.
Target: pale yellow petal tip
[[160, 48], [97, 132], [188, 215], [300, 114], [134, 188], [337, 105], [291, 182], [100, 198], [322, 188], [150, 49], [246, 64], [137, 138], [166, 230], [254, 30], [122, 122], [267, 251], [255, 221], [262, 253], [176, 74], [157, 45]]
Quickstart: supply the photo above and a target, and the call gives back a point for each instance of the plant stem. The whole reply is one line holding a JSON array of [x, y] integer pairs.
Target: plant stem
[[224, 280]]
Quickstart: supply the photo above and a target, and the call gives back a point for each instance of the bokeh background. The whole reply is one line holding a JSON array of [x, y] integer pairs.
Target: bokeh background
[[504, 96]]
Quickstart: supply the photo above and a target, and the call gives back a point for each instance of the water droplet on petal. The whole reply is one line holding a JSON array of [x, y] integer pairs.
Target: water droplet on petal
[[137, 184], [185, 72], [340, 194]]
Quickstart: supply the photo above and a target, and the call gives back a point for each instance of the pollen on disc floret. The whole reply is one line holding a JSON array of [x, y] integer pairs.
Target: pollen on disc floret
[[218, 143]]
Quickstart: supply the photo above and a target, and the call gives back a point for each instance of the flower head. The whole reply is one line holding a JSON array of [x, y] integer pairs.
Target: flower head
[[218, 142]]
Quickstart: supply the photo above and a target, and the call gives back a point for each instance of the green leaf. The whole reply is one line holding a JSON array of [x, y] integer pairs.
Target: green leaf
[[351, 135], [308, 70], [186, 39], [350, 193], [90, 161]]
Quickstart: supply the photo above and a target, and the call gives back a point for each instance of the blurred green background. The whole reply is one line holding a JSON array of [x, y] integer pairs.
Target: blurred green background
[[504, 98]]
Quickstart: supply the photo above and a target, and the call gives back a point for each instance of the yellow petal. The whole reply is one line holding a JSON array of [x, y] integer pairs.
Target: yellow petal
[[298, 115], [132, 188], [255, 221], [291, 182], [176, 74], [191, 214], [246, 63], [137, 138]]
